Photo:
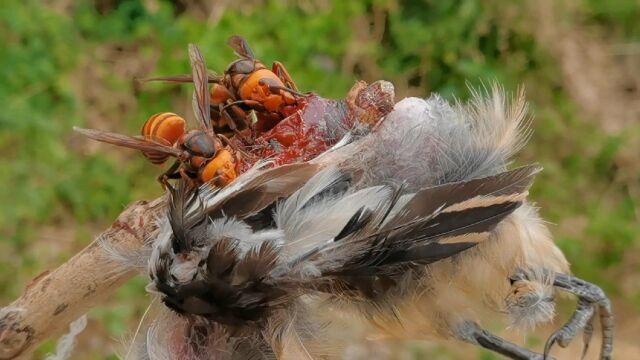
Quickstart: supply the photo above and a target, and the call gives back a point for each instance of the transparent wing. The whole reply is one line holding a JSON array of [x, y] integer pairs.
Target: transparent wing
[[201, 83], [241, 47], [138, 143], [183, 78]]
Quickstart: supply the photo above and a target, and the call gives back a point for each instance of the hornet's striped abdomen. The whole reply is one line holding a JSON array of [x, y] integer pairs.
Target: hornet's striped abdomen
[[165, 128]]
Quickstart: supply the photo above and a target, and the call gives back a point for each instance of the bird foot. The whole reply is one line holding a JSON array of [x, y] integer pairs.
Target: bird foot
[[591, 301]]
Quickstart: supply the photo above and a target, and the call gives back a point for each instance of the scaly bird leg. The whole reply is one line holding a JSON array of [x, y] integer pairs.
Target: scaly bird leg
[[584, 312], [471, 332], [591, 300]]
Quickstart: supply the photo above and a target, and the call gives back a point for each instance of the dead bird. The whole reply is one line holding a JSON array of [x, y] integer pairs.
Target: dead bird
[[418, 226]]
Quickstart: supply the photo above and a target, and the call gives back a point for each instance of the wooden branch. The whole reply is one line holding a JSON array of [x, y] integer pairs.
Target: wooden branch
[[54, 299]]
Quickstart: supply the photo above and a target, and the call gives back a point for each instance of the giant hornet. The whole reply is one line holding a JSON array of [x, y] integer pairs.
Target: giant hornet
[[305, 127], [248, 95], [200, 153]]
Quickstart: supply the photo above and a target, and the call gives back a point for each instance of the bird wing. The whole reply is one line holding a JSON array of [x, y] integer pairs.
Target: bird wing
[[255, 190], [403, 229]]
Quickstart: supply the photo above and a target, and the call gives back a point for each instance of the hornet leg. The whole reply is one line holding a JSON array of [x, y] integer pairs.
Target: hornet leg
[[282, 73], [163, 179]]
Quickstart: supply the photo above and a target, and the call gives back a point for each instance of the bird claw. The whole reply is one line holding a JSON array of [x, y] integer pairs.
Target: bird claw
[[591, 301], [587, 333], [562, 337], [471, 332], [548, 345]]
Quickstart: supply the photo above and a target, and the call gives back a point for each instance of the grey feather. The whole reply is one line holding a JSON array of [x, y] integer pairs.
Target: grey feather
[[186, 217], [324, 180], [250, 194], [429, 142]]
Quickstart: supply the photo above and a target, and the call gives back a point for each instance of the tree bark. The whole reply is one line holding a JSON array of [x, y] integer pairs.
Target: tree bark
[[55, 298]]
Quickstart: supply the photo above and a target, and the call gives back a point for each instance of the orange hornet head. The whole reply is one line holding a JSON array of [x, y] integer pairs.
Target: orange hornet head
[[221, 170], [258, 86], [220, 94]]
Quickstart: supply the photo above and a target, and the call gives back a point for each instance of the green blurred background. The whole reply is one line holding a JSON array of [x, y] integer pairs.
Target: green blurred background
[[66, 63]]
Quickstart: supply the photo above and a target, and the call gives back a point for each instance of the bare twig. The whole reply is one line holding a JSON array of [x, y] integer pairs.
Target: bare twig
[[54, 299]]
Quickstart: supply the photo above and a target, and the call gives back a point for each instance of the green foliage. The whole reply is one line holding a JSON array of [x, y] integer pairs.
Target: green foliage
[[50, 178], [616, 15]]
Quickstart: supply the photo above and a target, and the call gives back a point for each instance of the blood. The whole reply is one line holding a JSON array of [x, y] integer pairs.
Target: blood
[[310, 128]]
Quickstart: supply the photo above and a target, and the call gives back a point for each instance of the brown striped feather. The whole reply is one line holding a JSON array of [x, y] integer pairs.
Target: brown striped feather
[[429, 200]]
